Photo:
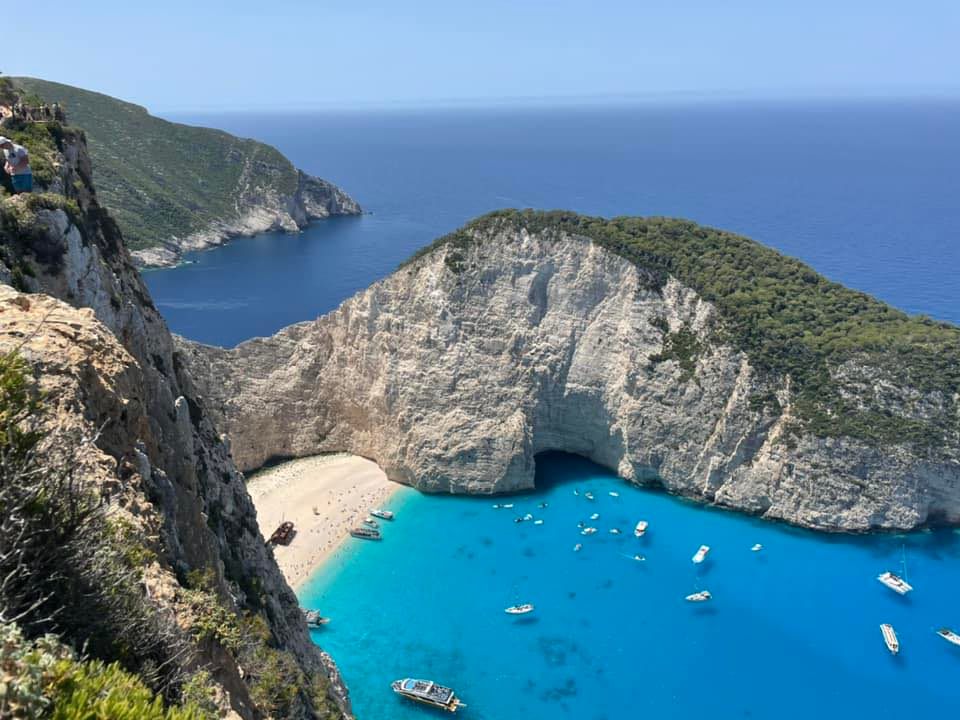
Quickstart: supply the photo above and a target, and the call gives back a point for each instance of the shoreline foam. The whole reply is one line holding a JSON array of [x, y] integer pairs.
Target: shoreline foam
[[341, 487]]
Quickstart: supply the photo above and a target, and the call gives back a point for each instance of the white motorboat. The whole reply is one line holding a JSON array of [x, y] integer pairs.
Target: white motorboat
[[588, 531], [595, 516], [890, 638], [614, 531], [370, 522], [949, 635], [507, 506], [382, 514], [528, 516], [576, 548], [701, 554], [588, 495], [613, 494], [519, 609], [895, 583], [701, 596], [428, 693], [641, 528], [639, 558], [757, 548], [538, 522]]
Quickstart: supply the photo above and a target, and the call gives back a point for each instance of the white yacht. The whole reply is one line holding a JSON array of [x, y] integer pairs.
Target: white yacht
[[382, 514], [701, 554], [519, 609], [428, 693], [949, 635], [890, 638], [641, 528], [757, 548], [701, 596], [895, 583]]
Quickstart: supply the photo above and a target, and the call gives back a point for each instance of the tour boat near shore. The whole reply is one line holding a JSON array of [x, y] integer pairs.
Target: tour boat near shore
[[701, 554], [428, 693], [895, 583], [365, 533], [382, 514], [949, 635], [519, 609], [641, 528], [890, 638], [701, 596]]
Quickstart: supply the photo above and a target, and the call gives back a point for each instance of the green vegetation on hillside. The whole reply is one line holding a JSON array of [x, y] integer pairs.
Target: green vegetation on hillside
[[790, 320], [161, 179]]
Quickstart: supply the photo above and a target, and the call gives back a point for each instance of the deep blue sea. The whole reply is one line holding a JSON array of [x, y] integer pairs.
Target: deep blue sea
[[866, 193]]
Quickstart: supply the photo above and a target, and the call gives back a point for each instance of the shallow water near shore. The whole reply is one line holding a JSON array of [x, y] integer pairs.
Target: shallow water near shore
[[792, 631]]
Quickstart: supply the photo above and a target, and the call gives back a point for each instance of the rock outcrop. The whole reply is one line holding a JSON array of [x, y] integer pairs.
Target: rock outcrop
[[455, 371], [84, 321]]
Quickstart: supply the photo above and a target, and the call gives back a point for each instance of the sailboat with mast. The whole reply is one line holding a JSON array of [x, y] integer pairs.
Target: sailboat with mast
[[895, 582]]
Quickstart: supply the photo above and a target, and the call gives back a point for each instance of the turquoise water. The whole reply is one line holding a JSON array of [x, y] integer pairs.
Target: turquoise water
[[792, 631]]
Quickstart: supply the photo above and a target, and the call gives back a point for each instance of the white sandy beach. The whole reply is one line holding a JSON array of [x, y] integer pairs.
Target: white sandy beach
[[341, 488]]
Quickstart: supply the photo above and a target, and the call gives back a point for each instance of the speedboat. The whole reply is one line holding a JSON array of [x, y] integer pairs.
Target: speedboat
[[641, 528], [382, 514], [757, 548], [365, 533], [613, 494], [595, 516], [576, 548], [538, 522], [428, 693], [890, 638], [949, 635], [588, 495], [701, 554], [588, 531], [507, 506], [639, 558], [614, 531], [895, 583], [701, 596], [370, 522], [519, 609], [528, 516]]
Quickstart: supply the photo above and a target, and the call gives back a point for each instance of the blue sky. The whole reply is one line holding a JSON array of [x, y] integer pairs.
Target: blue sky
[[214, 54]]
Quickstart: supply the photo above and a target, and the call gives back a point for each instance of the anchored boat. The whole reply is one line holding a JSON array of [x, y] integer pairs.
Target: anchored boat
[[890, 638], [382, 514], [701, 596], [428, 693], [588, 531], [895, 583], [519, 609], [701, 554], [949, 635], [314, 619], [641, 528], [365, 533], [370, 522], [757, 548]]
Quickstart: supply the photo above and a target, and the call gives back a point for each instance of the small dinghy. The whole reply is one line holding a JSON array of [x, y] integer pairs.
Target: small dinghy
[[641, 528], [428, 693], [757, 548], [614, 531], [701, 554], [365, 533], [701, 596], [576, 548], [895, 583], [519, 609], [588, 531], [382, 514], [890, 638], [949, 635]]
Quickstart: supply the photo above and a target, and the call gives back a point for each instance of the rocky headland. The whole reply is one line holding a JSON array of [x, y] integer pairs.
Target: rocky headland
[[678, 356]]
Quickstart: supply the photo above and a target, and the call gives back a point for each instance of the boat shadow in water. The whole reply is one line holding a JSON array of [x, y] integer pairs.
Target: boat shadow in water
[[526, 620]]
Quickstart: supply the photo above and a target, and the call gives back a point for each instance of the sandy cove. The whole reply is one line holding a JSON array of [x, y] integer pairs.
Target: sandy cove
[[341, 488]]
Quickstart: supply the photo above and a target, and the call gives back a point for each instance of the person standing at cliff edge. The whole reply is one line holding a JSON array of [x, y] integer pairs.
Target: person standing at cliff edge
[[17, 165]]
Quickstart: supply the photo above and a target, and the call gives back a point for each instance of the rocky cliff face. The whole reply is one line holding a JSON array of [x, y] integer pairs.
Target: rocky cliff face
[[87, 326], [257, 209], [455, 371]]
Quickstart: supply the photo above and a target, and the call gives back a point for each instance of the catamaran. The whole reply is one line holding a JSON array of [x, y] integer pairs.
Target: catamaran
[[701, 554], [365, 533], [519, 609], [949, 635], [382, 514], [895, 583], [428, 693], [890, 638], [701, 596], [641, 528]]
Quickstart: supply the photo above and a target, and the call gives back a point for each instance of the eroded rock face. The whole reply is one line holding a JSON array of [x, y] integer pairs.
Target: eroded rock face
[[102, 351], [454, 373]]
